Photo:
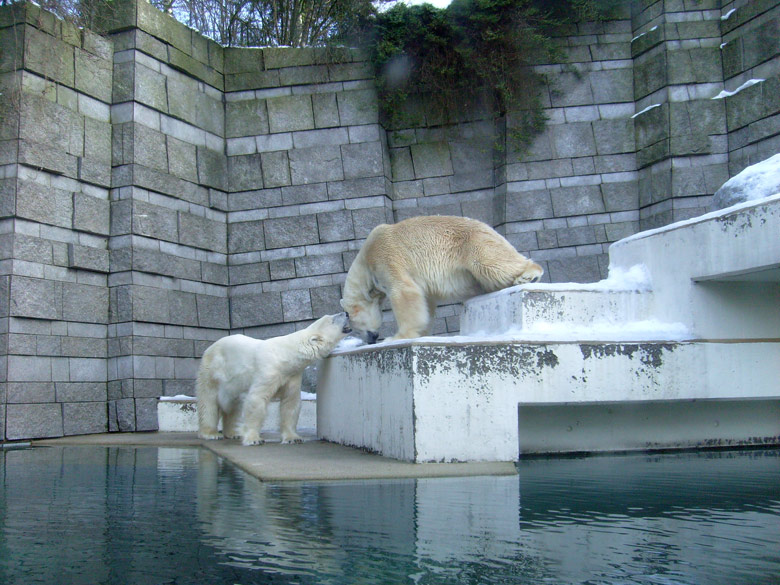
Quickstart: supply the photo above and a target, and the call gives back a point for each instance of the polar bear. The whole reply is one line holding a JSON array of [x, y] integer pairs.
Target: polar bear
[[239, 375], [421, 261]]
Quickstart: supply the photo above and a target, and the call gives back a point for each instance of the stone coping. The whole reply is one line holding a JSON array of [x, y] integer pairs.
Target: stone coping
[[312, 460]]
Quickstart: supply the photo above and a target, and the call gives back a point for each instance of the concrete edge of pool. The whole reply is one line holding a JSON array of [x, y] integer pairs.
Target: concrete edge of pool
[[312, 460]]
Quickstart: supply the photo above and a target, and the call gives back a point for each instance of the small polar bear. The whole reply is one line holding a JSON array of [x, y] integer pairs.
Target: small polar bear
[[238, 377], [421, 261]]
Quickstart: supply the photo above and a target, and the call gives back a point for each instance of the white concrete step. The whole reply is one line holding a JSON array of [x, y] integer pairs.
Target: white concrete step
[[526, 310], [443, 401], [180, 414]]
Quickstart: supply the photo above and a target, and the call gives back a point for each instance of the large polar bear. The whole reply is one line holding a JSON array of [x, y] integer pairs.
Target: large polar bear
[[421, 261], [239, 375]]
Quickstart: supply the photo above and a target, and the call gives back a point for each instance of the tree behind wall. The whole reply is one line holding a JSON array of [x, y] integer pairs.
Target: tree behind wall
[[274, 23]]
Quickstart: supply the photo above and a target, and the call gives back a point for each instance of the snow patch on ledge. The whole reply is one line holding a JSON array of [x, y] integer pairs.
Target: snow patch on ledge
[[725, 94], [647, 109]]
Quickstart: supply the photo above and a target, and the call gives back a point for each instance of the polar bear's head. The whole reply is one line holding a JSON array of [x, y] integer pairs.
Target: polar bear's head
[[325, 333], [365, 316]]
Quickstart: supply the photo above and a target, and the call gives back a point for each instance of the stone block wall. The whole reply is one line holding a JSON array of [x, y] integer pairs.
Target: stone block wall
[[158, 191], [55, 175]]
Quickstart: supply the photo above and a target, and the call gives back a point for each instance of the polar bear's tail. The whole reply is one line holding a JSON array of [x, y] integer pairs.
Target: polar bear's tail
[[206, 390]]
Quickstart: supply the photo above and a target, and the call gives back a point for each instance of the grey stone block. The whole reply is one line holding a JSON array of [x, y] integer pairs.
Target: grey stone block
[[149, 88], [524, 205], [246, 118], [573, 140], [30, 392], [28, 248], [182, 159], [41, 156], [149, 304], [245, 172], [326, 110], [256, 309], [582, 200], [620, 196], [201, 232], [82, 418], [44, 204], [92, 75], [290, 113], [213, 169], [84, 303], [97, 140], [276, 169], [213, 312], [358, 107], [91, 214], [35, 298], [325, 300], [155, 262], [51, 124], [299, 194], [335, 226], [316, 265], [82, 392], [362, 160], [182, 308], [85, 258], [247, 236], [87, 370], [154, 221], [431, 160], [575, 269], [27, 421], [401, 164], [48, 56], [316, 165], [296, 305], [614, 136], [353, 188], [291, 231], [366, 219], [121, 415]]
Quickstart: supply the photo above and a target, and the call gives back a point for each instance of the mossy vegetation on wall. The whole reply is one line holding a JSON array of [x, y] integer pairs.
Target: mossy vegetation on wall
[[470, 60]]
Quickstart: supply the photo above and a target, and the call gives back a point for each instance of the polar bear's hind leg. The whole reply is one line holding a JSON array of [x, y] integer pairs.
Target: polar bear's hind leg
[[207, 389], [290, 411], [411, 310]]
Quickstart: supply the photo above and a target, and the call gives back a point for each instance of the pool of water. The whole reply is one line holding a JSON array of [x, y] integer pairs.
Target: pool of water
[[123, 515]]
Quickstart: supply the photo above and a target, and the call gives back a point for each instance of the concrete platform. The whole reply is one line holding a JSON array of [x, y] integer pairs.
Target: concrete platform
[[677, 348], [312, 460]]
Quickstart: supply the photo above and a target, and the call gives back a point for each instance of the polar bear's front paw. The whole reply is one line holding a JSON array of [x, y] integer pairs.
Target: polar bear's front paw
[[531, 273], [288, 439], [210, 435], [251, 439]]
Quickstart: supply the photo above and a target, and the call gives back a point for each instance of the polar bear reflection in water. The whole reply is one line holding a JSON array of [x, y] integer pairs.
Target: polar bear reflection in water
[[422, 261], [239, 375]]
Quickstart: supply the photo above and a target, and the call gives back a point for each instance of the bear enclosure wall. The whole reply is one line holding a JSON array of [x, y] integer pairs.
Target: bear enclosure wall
[[158, 191]]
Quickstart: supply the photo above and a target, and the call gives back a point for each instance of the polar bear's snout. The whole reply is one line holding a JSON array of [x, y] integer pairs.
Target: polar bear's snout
[[343, 320]]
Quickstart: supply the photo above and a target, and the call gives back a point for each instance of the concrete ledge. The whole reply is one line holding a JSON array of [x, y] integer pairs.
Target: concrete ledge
[[440, 401], [308, 461], [180, 414]]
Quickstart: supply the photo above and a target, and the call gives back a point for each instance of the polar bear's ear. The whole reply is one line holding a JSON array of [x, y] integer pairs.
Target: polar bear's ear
[[343, 304]]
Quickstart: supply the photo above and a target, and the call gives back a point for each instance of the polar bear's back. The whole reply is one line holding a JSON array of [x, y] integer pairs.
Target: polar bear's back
[[438, 252], [439, 241]]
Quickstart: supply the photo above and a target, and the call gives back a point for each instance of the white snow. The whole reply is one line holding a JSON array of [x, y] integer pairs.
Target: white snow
[[725, 94], [647, 109], [185, 398], [348, 343], [699, 218], [639, 36]]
